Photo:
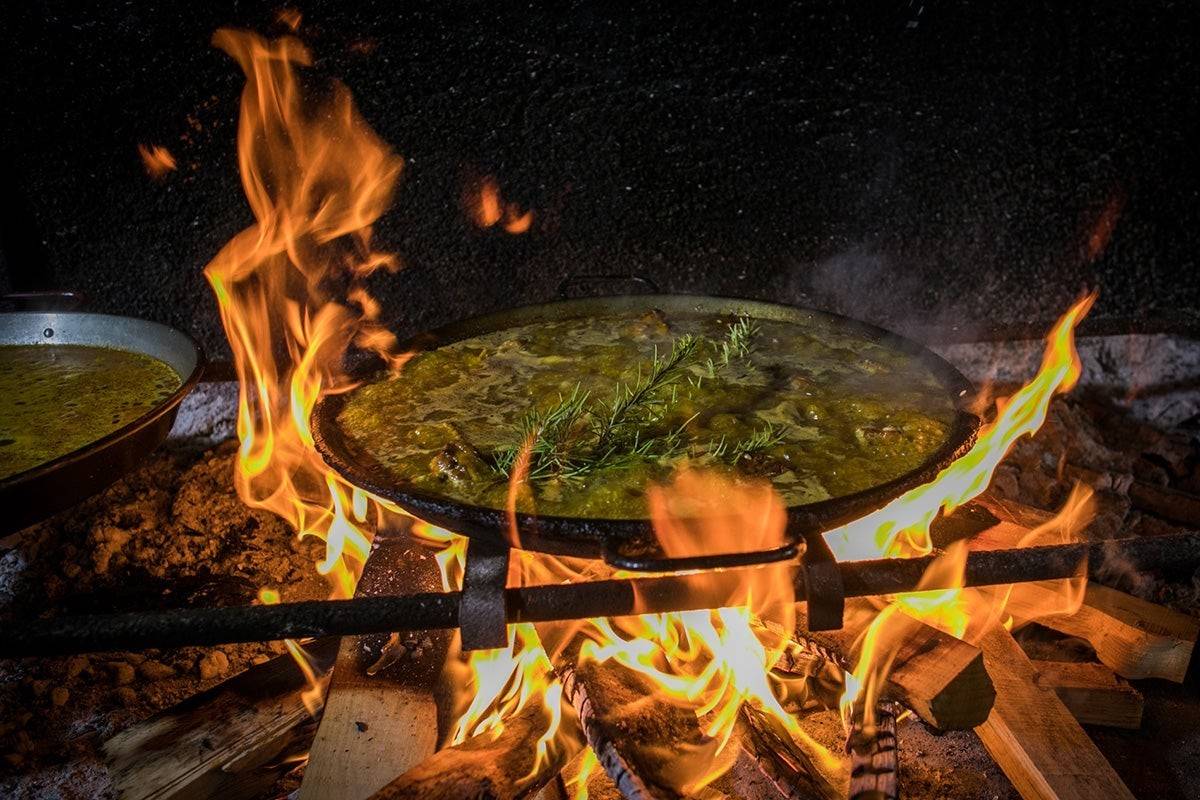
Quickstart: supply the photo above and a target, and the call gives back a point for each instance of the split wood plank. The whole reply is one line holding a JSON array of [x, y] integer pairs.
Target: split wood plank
[[1093, 693], [375, 727], [214, 743], [1134, 637], [941, 678], [1033, 737], [503, 767]]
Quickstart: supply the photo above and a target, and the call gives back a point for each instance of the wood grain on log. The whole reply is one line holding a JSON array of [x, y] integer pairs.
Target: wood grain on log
[[375, 727], [1093, 693], [1034, 738], [503, 767], [1134, 637], [214, 743], [639, 740], [794, 766]]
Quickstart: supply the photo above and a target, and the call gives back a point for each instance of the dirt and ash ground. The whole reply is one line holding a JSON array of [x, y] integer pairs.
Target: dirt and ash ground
[[174, 534]]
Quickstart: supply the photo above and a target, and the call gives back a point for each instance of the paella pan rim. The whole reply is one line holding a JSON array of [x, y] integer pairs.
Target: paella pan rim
[[167, 406], [583, 536]]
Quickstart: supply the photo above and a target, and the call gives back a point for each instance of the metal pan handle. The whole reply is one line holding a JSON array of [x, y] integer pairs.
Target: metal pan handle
[[43, 301], [613, 556], [590, 285]]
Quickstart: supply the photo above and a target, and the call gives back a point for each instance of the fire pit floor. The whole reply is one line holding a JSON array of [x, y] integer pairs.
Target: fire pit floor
[[174, 533], [171, 534]]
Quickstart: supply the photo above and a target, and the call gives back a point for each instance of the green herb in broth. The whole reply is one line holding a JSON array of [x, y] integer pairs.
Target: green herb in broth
[[819, 410], [55, 399]]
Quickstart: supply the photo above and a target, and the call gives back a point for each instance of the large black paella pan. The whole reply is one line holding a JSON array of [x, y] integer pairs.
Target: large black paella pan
[[841, 416]]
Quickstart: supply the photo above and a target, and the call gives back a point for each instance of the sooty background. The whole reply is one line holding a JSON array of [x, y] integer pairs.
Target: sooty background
[[910, 163]]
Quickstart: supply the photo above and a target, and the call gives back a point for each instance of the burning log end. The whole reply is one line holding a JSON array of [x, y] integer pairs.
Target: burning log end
[[788, 764], [875, 757], [486, 766], [624, 774]]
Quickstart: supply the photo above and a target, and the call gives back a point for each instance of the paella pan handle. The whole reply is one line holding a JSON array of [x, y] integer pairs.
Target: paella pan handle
[[43, 301], [589, 285], [613, 556]]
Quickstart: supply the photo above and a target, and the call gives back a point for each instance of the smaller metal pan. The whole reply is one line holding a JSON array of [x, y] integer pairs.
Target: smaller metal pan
[[37, 493]]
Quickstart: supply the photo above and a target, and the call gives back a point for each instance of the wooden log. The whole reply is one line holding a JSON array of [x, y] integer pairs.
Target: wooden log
[[791, 764], [503, 767], [215, 743], [941, 678], [1170, 504], [1033, 736], [820, 670], [375, 727], [1092, 693], [640, 742], [875, 757], [1134, 637]]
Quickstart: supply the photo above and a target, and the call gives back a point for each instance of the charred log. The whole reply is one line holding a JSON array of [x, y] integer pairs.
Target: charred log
[[875, 757], [488, 767], [637, 740], [793, 766]]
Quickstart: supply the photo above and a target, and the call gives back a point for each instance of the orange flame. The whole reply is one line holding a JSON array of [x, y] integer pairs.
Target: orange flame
[[712, 662], [488, 209], [901, 528], [289, 17], [316, 182], [157, 160], [314, 696]]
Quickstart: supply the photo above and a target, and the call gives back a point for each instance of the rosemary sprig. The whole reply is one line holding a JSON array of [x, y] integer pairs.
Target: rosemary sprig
[[764, 438], [642, 403], [549, 434], [738, 343], [575, 438]]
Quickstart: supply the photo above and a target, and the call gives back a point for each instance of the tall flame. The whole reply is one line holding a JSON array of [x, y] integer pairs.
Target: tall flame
[[316, 180], [901, 528]]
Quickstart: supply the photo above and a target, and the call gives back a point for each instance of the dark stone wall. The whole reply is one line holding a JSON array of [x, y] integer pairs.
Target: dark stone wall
[[910, 163]]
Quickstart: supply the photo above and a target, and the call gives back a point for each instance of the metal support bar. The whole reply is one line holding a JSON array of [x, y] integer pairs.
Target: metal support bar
[[559, 602], [483, 612]]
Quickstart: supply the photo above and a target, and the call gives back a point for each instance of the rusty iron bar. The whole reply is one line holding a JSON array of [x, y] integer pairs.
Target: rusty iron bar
[[560, 602]]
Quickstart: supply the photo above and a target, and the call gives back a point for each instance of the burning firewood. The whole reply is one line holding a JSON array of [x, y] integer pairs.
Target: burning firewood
[[941, 678], [497, 767], [874, 757], [637, 740], [370, 701], [794, 766]]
